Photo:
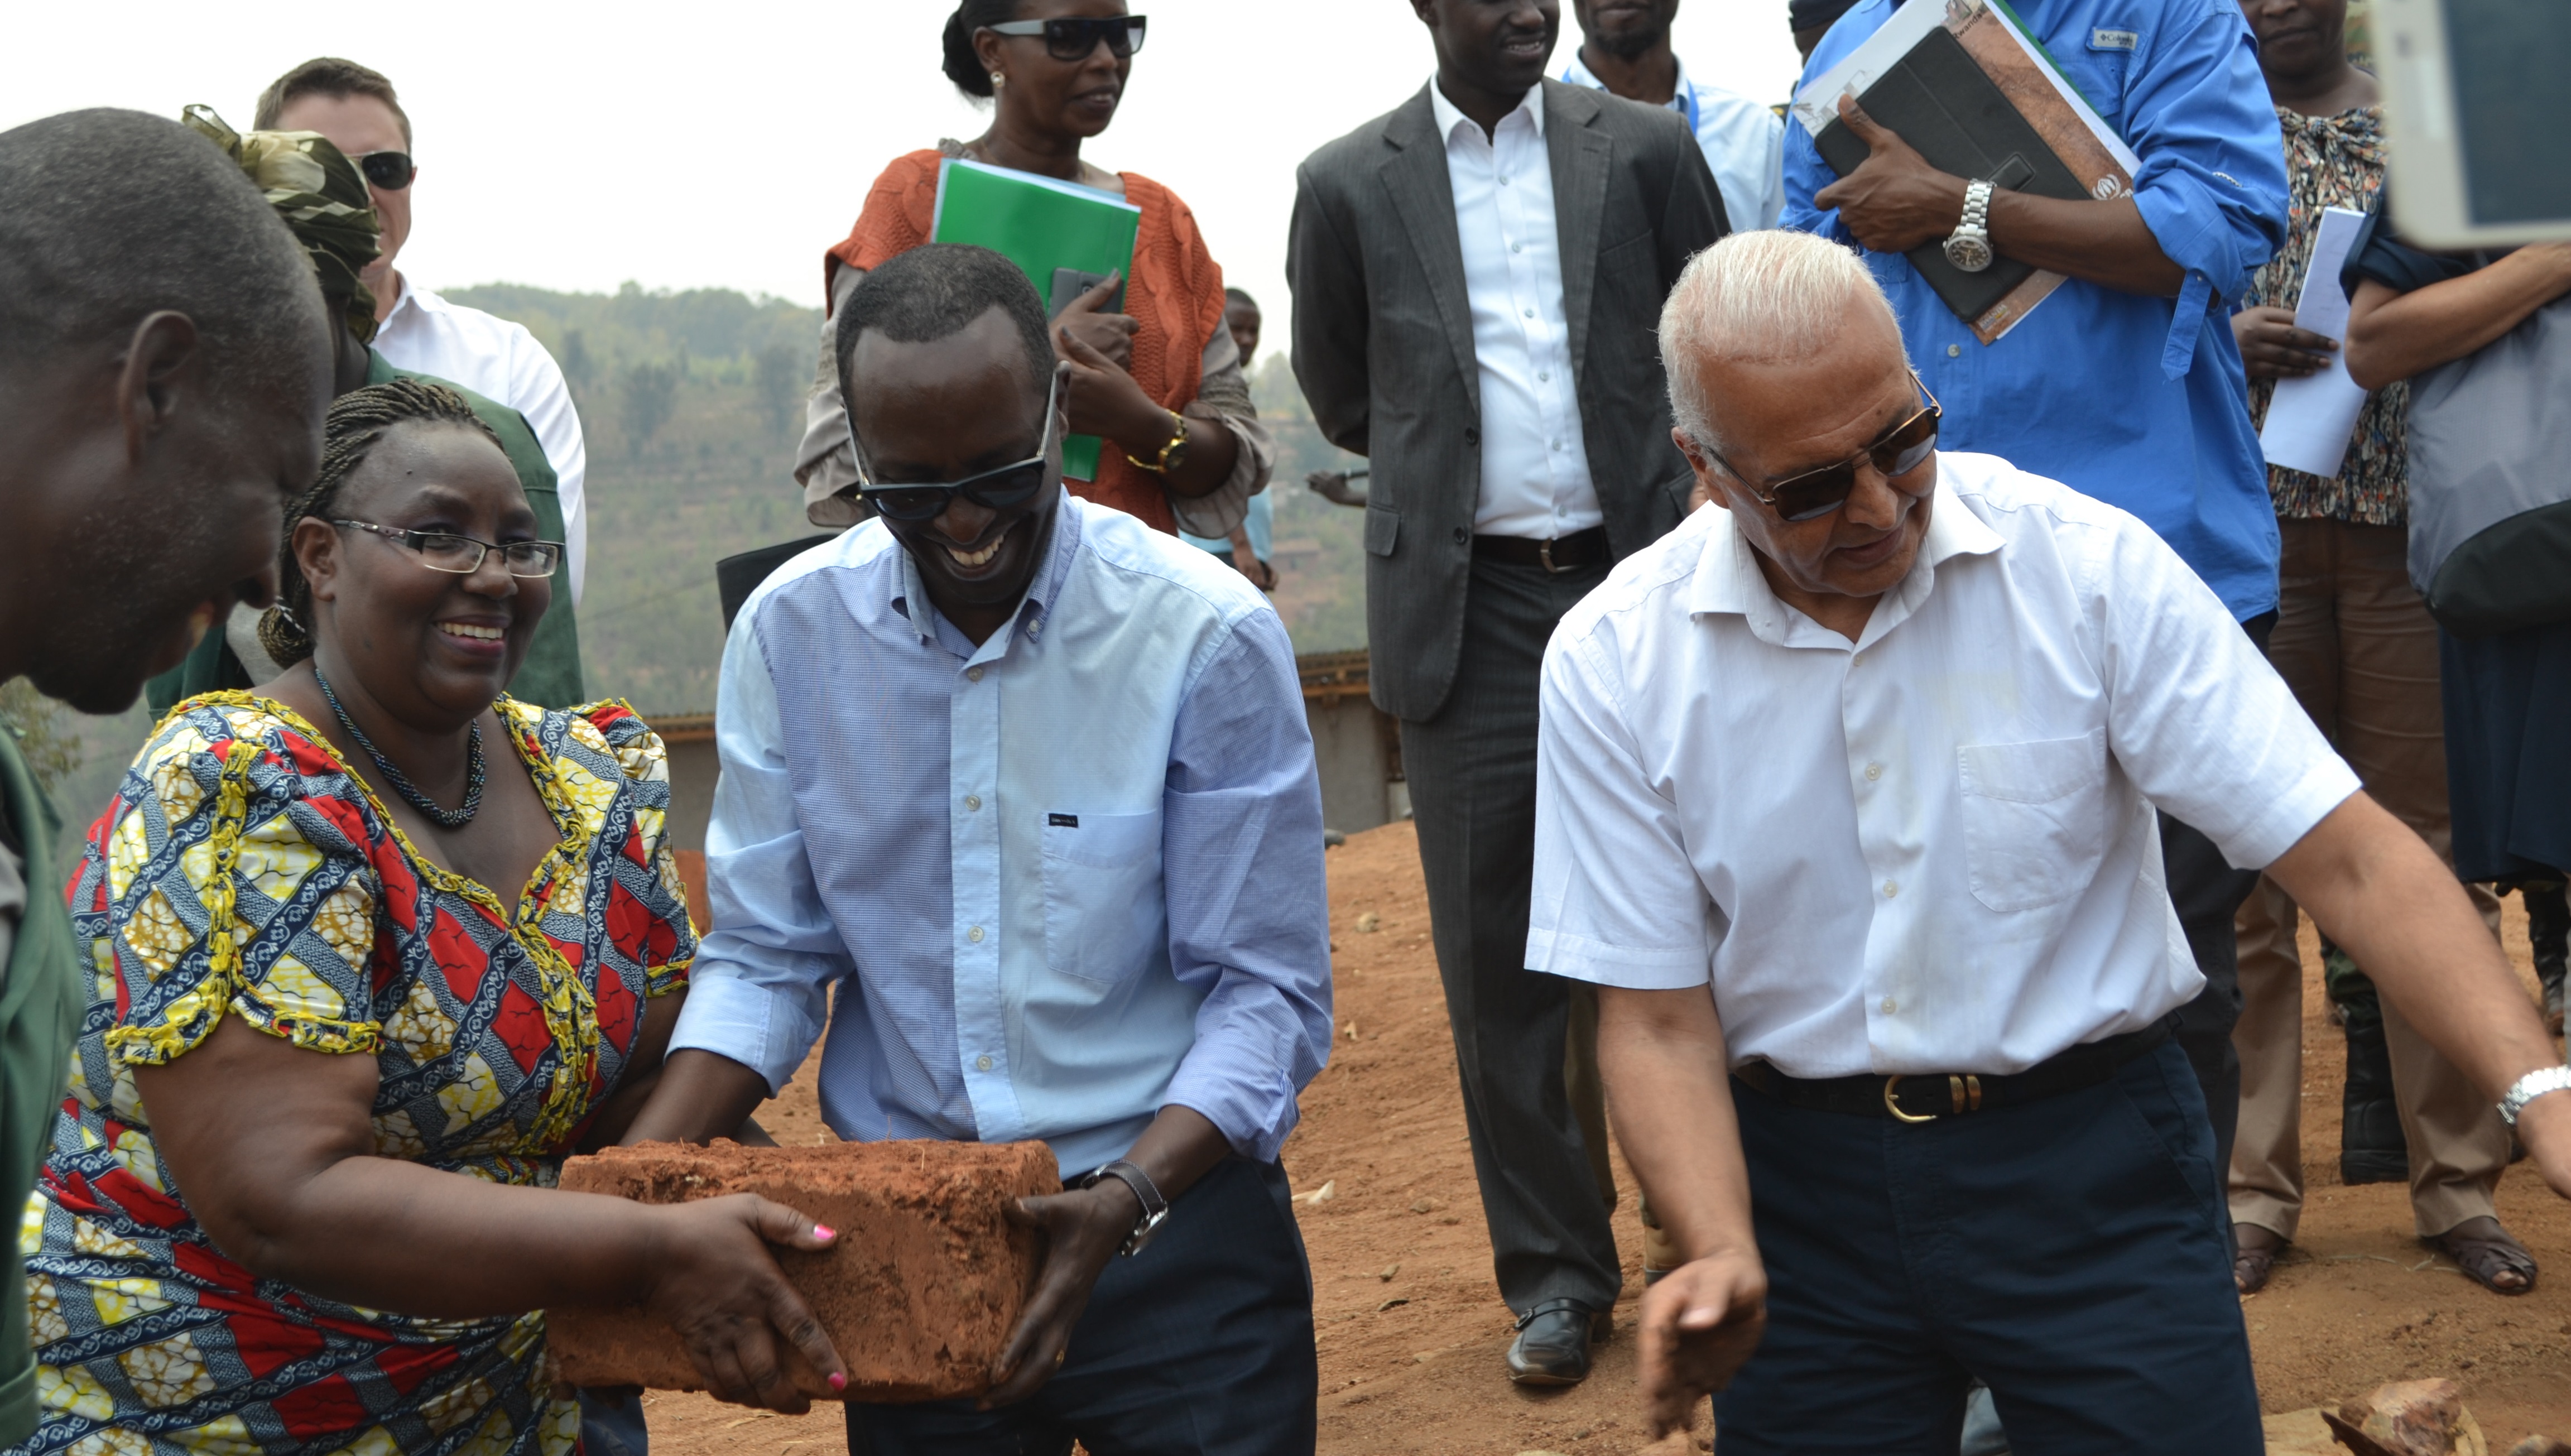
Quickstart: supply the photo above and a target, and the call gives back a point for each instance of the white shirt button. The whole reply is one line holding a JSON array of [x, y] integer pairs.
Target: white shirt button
[[1529, 313], [975, 934], [1887, 1010], [1955, 351], [1514, 248], [1892, 887], [1856, 657], [973, 801], [1544, 376], [1874, 771], [972, 675], [981, 1064]]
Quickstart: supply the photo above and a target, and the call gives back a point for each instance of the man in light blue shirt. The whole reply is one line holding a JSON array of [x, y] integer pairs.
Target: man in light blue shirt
[[2125, 385], [1625, 50], [1021, 792]]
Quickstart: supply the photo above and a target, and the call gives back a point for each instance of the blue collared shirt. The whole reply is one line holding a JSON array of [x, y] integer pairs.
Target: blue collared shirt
[[1738, 137], [1047, 885], [2138, 401]]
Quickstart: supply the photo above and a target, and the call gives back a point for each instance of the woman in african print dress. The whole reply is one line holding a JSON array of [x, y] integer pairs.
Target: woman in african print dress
[[343, 1034]]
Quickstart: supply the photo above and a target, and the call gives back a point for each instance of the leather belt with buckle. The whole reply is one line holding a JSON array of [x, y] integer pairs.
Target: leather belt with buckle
[[1926, 1098], [1574, 552]]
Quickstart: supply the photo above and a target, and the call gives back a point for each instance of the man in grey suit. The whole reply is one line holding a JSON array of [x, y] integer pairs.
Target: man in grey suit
[[1477, 280]]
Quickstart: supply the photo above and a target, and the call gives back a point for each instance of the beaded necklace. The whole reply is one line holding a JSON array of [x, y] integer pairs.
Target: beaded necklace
[[450, 818]]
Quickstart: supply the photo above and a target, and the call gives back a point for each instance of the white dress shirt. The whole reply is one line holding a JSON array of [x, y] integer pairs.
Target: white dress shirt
[[1535, 462], [493, 357], [1743, 143], [1932, 850]]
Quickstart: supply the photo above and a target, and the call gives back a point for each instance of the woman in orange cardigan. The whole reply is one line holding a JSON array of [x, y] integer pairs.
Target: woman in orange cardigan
[[1162, 383]]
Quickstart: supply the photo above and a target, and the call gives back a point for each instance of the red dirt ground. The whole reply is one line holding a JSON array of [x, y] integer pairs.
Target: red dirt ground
[[1411, 1328]]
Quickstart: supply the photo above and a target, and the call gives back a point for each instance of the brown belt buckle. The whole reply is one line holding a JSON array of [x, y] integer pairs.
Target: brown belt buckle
[[1966, 1091], [1544, 552]]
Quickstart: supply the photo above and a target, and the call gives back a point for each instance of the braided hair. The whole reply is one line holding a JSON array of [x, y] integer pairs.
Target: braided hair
[[963, 66], [359, 420]]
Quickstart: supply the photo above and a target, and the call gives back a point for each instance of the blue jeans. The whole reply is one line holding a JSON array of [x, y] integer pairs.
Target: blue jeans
[[1202, 1342], [2068, 1252]]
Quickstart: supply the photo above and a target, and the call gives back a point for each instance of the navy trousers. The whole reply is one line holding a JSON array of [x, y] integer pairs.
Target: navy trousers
[[1202, 1342], [2068, 1252]]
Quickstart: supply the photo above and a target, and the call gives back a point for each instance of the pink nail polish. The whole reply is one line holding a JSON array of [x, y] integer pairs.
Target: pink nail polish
[[825, 1232], [838, 1381]]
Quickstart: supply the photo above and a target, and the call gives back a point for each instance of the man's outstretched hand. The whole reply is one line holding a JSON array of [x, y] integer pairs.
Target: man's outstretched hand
[[1699, 1326]]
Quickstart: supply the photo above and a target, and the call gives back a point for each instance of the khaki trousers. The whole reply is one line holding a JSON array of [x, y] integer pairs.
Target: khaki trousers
[[2360, 651]]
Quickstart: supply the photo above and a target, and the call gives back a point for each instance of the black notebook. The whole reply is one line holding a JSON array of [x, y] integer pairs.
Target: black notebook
[[1941, 102]]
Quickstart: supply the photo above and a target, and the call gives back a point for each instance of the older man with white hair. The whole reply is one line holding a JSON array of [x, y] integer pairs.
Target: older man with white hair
[[1846, 787]]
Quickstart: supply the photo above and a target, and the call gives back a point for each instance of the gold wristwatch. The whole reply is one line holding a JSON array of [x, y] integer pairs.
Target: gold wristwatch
[[1174, 454]]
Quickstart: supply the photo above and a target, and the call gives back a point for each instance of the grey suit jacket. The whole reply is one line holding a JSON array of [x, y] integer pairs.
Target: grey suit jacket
[[1383, 345]]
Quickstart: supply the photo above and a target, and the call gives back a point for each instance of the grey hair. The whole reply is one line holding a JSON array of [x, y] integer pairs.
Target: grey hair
[[1755, 297]]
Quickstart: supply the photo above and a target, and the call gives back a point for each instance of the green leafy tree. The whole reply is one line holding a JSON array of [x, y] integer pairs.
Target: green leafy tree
[[651, 393]]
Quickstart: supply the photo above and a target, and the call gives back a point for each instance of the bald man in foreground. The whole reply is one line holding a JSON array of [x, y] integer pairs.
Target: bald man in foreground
[[1847, 787], [164, 367]]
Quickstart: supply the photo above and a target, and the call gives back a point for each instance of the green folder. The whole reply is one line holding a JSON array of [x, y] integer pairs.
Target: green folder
[[1040, 225]]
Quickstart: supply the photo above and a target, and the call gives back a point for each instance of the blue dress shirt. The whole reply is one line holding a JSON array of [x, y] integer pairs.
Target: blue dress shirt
[[2140, 402], [1049, 884]]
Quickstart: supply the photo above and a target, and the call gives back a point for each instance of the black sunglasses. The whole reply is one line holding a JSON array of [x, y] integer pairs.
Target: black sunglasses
[[392, 170], [1814, 494], [994, 490], [1075, 38]]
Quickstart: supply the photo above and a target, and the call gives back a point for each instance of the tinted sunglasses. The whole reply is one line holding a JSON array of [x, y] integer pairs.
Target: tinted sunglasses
[[1816, 493], [391, 170], [1073, 38], [1002, 489]]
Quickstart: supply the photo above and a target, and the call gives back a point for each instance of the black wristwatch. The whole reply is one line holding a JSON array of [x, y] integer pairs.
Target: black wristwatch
[[1155, 1207]]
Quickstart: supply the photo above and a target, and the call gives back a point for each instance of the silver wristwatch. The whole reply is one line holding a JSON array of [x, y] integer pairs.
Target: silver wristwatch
[[1969, 246], [2530, 1086], [1155, 1209]]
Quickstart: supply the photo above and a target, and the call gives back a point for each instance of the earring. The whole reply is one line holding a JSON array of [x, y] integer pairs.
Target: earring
[[998, 81]]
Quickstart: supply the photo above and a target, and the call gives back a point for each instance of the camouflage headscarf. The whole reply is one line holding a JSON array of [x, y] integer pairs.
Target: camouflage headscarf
[[321, 196]]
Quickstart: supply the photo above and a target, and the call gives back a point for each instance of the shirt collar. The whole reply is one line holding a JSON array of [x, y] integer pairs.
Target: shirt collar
[[1728, 580], [1449, 117], [1682, 96], [1033, 609]]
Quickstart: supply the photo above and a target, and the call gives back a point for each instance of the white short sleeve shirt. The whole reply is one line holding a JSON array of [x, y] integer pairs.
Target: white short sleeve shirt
[[1931, 850]]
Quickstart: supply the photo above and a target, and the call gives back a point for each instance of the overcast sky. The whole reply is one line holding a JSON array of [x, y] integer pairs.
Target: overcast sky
[[577, 145]]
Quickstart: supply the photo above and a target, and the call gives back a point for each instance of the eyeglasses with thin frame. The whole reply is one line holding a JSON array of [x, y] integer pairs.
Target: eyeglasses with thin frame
[[462, 555], [996, 490], [1812, 494], [392, 170], [1073, 38]]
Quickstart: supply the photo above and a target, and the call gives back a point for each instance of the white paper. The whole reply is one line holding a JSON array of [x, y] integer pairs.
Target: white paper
[[2311, 418]]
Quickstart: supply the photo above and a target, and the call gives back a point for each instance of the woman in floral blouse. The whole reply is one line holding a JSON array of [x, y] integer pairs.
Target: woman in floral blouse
[[2357, 646], [343, 1034]]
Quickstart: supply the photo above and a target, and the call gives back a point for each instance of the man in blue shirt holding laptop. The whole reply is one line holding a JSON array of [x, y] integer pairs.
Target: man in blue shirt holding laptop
[[2125, 385], [1018, 798]]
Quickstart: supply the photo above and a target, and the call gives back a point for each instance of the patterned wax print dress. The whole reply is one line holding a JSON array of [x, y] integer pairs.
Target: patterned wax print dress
[[243, 869]]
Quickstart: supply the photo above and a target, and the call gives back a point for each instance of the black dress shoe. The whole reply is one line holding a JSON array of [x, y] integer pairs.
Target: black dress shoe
[[1552, 1348]]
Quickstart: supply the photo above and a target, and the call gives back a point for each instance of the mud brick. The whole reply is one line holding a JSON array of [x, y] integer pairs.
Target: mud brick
[[919, 1293]]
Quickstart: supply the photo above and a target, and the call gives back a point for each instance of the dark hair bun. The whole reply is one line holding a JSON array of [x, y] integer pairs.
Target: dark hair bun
[[963, 66]]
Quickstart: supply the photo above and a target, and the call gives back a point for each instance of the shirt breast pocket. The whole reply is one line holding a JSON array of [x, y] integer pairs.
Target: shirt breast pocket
[[2035, 824], [1104, 913]]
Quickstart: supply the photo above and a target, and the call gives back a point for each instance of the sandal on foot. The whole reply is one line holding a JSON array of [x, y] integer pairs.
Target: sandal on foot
[[2486, 1253], [2252, 1264]]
